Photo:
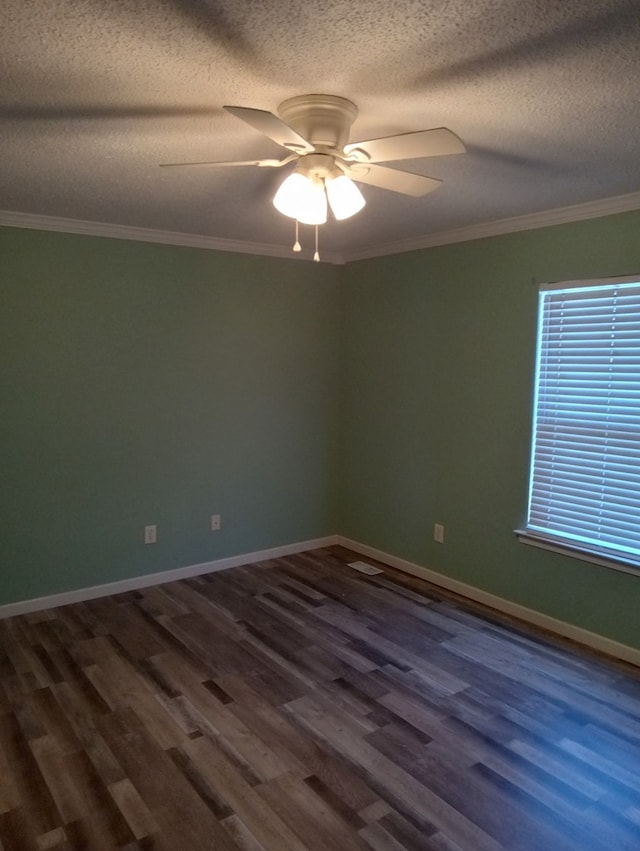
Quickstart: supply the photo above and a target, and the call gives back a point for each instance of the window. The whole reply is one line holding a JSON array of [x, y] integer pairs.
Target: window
[[584, 489]]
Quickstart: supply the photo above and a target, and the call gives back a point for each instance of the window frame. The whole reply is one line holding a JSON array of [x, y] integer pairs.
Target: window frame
[[546, 539]]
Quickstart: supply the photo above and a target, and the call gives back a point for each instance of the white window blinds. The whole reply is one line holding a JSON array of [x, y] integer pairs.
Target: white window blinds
[[585, 468]]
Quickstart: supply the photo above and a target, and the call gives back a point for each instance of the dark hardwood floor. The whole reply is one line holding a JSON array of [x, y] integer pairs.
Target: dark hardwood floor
[[297, 704]]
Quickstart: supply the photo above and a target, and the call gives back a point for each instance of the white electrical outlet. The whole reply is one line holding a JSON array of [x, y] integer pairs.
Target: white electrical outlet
[[216, 523], [150, 534], [438, 533]]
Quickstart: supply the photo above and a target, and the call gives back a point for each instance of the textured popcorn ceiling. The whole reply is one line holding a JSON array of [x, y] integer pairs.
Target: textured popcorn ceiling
[[94, 94]]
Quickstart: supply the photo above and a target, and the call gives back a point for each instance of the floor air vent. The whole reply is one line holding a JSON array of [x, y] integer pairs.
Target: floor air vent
[[363, 567]]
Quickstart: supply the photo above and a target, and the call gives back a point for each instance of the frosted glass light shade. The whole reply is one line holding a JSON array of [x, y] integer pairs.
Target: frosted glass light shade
[[287, 199], [302, 198], [344, 196]]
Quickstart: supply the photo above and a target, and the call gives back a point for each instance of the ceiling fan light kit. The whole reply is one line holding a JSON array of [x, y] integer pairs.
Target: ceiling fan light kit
[[314, 130], [302, 196]]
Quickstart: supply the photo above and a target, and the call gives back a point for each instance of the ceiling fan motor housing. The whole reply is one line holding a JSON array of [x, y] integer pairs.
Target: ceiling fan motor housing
[[324, 120]]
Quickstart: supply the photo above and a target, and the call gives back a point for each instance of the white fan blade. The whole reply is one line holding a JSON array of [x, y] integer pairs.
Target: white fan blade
[[260, 163], [407, 146], [270, 125], [393, 179]]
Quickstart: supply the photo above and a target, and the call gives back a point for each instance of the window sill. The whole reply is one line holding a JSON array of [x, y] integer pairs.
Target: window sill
[[554, 545]]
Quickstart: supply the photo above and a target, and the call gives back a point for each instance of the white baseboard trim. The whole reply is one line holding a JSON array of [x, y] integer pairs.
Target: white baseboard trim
[[567, 630], [79, 595]]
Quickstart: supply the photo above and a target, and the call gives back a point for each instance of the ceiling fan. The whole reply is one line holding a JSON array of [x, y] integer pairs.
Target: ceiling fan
[[314, 130]]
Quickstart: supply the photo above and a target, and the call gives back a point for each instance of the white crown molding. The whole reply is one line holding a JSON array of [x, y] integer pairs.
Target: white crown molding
[[597, 642], [79, 595], [547, 218], [531, 221], [34, 221]]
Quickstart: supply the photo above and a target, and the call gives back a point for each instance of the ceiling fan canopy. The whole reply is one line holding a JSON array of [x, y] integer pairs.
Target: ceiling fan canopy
[[314, 129], [324, 121]]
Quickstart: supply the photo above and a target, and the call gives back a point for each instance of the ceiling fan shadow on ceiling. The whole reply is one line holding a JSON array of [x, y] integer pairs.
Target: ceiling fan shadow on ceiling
[[314, 130]]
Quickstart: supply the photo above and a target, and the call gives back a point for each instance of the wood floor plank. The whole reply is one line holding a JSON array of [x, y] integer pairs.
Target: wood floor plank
[[394, 782], [26, 780], [133, 808], [16, 831], [183, 817], [241, 834], [378, 838], [309, 759], [297, 705], [309, 815], [260, 820], [55, 839]]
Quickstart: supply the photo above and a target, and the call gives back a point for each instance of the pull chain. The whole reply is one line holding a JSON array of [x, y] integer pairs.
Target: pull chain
[[296, 244], [316, 256]]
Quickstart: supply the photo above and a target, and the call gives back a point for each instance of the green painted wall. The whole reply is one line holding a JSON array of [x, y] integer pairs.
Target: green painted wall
[[154, 384], [437, 372]]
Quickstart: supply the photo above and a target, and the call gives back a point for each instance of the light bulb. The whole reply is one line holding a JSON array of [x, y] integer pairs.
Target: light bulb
[[344, 196], [287, 198], [314, 204], [302, 198]]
